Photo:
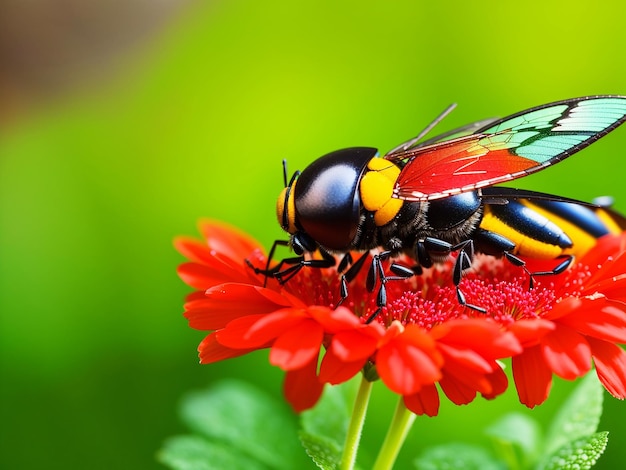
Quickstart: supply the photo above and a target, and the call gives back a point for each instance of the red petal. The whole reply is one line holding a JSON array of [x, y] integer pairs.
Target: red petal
[[211, 351], [424, 402], [395, 329], [196, 300], [567, 353], [409, 361], [499, 383], [246, 293], [480, 335], [297, 346], [227, 302], [465, 358], [612, 266], [563, 308], [198, 252], [598, 317], [206, 318], [456, 391], [353, 345], [254, 331], [227, 239], [334, 320], [207, 265], [334, 370], [302, 388], [530, 332], [192, 249], [236, 335], [610, 361], [458, 378], [532, 376], [613, 288], [200, 276]]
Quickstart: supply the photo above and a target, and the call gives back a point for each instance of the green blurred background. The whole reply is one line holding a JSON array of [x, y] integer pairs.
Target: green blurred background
[[123, 123]]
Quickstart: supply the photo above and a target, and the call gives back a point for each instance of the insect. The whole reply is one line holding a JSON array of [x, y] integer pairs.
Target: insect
[[430, 198]]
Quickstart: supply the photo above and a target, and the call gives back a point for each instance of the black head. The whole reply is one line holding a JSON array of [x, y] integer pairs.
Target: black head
[[324, 201]]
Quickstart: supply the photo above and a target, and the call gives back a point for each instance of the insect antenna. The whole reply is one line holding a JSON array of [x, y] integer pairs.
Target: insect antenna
[[284, 172], [427, 129]]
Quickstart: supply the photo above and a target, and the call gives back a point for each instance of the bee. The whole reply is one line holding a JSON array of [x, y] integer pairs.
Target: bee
[[430, 198]]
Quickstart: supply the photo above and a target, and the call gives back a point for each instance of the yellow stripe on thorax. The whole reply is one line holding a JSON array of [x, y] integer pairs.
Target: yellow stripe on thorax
[[376, 189]]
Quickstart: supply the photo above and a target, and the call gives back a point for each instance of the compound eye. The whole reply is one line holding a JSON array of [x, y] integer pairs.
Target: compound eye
[[327, 198]]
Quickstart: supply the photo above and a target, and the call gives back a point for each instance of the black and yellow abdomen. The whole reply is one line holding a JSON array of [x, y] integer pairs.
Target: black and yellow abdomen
[[547, 229]]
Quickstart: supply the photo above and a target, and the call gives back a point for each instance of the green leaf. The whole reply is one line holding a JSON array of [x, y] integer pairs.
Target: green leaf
[[324, 452], [578, 417], [455, 455], [517, 438], [580, 454], [196, 453], [517, 429], [237, 418]]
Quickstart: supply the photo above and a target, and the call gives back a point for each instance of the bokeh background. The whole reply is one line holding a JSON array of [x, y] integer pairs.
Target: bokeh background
[[123, 123]]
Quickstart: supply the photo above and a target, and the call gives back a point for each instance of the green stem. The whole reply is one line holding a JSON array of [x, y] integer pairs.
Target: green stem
[[357, 419], [396, 434]]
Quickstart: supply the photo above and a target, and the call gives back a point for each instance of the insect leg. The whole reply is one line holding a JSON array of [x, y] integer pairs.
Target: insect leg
[[267, 272], [295, 264], [433, 249], [558, 269], [463, 263], [377, 272], [350, 274], [327, 261], [494, 244]]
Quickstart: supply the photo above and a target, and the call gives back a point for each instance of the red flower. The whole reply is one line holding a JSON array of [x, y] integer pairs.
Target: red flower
[[423, 340]]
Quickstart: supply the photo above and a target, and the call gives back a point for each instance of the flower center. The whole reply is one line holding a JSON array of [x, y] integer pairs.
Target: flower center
[[431, 298]]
